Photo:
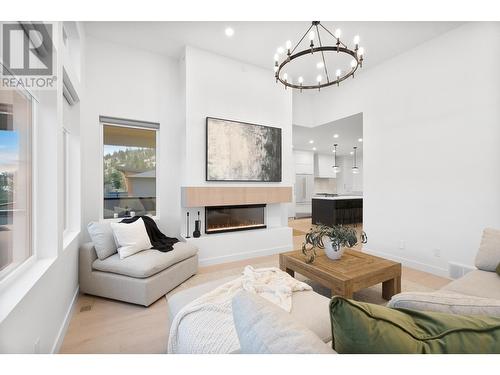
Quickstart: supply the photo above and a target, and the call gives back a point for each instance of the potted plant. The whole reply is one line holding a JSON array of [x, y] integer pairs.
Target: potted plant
[[334, 240]]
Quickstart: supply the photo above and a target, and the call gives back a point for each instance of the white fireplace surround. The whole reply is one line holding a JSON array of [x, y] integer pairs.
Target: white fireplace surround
[[225, 247]]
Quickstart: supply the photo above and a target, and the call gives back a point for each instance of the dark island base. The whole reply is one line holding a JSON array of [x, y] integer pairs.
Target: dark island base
[[337, 212]]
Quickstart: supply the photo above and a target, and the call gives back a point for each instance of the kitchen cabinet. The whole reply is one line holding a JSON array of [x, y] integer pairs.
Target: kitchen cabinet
[[304, 162], [323, 166]]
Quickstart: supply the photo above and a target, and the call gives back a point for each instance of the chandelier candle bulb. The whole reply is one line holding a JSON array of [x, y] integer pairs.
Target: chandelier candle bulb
[[356, 42], [311, 38], [361, 52], [353, 66], [337, 35]]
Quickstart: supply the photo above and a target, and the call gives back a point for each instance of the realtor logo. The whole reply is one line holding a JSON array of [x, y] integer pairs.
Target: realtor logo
[[27, 49]]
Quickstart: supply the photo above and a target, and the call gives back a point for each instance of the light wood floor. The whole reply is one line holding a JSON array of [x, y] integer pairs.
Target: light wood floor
[[100, 325]]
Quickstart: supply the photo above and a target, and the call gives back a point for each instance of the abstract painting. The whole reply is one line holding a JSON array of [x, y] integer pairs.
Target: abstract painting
[[238, 151]]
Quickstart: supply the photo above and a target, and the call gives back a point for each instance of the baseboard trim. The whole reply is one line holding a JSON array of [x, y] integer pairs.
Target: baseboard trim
[[243, 256], [64, 326], [411, 263]]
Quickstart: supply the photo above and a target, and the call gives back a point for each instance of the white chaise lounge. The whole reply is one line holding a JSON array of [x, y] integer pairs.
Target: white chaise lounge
[[141, 278]]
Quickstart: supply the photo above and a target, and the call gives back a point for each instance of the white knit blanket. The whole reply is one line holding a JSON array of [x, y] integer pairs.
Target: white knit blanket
[[206, 325]]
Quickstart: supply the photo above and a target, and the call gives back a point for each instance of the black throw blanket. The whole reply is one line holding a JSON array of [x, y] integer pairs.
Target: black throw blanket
[[157, 238]]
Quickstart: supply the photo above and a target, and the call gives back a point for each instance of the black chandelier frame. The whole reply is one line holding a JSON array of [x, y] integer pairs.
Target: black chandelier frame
[[339, 47]]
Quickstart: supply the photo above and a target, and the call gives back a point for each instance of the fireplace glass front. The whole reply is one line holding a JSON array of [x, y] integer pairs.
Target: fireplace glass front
[[232, 218]]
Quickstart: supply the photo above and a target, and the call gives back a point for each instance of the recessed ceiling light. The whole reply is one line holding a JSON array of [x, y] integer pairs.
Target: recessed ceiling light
[[314, 148], [320, 65], [311, 141], [352, 152], [335, 136], [334, 150], [360, 139], [229, 31]]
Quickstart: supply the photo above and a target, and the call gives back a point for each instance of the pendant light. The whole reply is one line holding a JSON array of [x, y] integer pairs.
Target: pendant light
[[355, 168], [336, 168]]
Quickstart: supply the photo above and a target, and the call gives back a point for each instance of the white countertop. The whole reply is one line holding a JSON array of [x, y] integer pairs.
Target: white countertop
[[339, 197]]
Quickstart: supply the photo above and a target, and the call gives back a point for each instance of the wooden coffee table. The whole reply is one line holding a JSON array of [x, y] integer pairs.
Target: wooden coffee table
[[354, 271]]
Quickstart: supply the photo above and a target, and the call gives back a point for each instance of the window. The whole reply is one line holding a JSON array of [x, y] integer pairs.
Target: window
[[66, 163], [15, 179], [129, 170]]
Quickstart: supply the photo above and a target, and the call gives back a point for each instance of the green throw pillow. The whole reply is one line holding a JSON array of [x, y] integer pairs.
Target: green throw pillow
[[367, 328]]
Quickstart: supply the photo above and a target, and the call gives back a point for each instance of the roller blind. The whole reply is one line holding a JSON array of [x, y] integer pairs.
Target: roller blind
[[128, 122]]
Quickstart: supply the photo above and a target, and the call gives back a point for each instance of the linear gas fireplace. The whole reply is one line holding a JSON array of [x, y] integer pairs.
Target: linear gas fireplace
[[232, 218]]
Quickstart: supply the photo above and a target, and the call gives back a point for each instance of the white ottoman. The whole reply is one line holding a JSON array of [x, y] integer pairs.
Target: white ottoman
[[308, 307]]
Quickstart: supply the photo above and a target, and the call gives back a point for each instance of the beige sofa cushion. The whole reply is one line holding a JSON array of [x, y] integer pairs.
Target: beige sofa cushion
[[476, 283], [488, 256], [145, 263], [264, 328], [446, 302]]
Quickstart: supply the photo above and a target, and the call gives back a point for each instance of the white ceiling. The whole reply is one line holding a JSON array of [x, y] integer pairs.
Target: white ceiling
[[256, 42], [349, 129]]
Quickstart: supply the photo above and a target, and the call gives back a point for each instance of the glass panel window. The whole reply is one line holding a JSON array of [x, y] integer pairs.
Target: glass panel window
[[15, 179], [129, 171], [65, 181]]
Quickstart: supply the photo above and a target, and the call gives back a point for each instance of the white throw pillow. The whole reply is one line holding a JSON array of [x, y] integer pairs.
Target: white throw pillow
[[264, 328], [102, 238], [131, 238]]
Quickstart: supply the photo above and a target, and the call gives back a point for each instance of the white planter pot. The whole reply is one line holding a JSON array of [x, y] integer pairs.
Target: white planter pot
[[331, 251]]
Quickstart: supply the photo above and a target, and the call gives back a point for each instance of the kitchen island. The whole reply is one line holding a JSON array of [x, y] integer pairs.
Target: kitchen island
[[335, 210]]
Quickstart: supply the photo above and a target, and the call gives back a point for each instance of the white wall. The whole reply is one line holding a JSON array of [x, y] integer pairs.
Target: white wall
[[133, 84], [44, 289], [130, 83], [431, 157], [38, 322], [218, 86]]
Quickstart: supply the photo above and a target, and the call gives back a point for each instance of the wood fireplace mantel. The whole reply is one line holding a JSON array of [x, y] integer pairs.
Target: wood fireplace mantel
[[200, 196]]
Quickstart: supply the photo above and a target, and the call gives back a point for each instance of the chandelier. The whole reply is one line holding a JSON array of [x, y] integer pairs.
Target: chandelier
[[313, 33]]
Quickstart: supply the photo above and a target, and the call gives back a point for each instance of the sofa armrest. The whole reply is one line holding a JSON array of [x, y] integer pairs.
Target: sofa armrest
[[87, 256], [446, 302]]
